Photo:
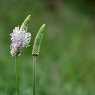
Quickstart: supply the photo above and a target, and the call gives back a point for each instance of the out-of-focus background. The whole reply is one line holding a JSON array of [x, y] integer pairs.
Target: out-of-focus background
[[66, 65]]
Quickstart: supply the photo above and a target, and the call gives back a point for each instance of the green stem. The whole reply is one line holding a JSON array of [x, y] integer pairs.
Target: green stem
[[17, 77], [34, 74]]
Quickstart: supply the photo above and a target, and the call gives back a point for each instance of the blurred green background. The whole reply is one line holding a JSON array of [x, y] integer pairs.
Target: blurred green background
[[66, 65]]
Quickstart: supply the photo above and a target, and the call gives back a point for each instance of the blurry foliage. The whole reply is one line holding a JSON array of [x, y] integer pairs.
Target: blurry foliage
[[67, 58]]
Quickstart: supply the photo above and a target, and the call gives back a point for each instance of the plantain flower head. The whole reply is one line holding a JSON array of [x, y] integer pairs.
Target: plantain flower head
[[20, 39]]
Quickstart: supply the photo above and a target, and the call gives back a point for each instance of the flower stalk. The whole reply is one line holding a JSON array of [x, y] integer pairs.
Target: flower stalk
[[20, 39], [34, 74], [17, 76], [35, 53]]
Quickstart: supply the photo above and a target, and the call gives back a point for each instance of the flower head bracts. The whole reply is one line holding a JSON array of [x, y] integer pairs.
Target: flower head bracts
[[20, 39]]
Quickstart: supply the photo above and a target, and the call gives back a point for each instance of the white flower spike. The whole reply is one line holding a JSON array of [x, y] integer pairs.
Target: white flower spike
[[20, 39]]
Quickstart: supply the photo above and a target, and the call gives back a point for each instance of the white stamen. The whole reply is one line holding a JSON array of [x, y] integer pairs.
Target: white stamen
[[20, 39]]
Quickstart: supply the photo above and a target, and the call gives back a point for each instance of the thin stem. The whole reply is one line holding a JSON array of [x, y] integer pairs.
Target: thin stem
[[34, 74], [17, 77]]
